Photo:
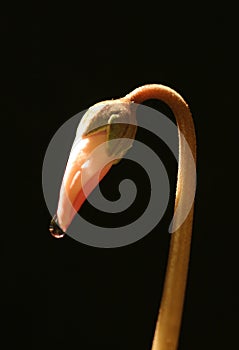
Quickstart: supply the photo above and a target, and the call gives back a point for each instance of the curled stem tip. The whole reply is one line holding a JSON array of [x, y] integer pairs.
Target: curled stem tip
[[170, 314]]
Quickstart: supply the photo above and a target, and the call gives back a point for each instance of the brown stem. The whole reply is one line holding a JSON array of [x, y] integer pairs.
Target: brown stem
[[171, 308]]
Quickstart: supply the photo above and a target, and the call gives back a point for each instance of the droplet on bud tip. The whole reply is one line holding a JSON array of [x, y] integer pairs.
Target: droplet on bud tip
[[54, 228]]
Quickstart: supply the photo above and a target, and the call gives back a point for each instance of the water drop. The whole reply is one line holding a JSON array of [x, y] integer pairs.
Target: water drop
[[54, 228]]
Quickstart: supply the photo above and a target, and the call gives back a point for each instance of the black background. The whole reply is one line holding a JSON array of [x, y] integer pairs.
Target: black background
[[58, 61]]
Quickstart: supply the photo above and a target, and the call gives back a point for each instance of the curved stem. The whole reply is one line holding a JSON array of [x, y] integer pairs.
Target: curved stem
[[171, 308]]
